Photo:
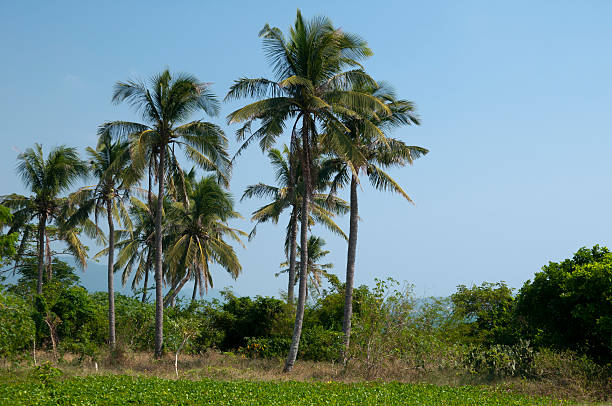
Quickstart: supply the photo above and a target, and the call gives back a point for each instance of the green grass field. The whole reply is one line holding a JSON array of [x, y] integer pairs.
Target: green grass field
[[129, 390]]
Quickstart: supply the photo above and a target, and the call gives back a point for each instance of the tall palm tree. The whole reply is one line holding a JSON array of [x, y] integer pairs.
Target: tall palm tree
[[380, 153], [289, 196], [316, 270], [311, 85], [112, 167], [168, 102], [197, 234], [47, 179]]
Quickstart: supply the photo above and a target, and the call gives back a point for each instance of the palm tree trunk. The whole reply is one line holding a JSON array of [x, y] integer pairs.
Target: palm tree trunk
[[48, 256], [350, 269], [195, 287], [148, 264], [42, 223], [299, 313], [146, 276], [149, 194], [159, 297], [292, 255], [111, 288]]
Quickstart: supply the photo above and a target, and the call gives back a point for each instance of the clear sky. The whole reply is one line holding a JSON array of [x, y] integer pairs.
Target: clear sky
[[515, 100]]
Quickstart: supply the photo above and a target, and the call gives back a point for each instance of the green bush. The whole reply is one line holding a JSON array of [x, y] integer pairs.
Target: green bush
[[17, 329], [500, 361], [271, 347], [568, 306], [46, 373], [316, 344], [134, 320], [487, 313], [241, 317]]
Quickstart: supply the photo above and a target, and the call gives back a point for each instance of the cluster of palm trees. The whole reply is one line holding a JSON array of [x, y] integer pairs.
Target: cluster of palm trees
[[331, 107], [337, 119]]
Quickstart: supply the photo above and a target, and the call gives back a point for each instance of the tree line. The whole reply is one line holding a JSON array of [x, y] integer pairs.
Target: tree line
[[338, 121]]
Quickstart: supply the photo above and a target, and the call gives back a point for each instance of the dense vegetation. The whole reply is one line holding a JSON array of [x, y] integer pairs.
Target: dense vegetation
[[339, 123], [120, 390]]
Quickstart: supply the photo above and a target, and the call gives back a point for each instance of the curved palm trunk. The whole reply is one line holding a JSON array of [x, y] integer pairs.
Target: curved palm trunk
[[111, 288], [42, 223], [292, 254], [299, 313], [350, 270], [176, 289], [159, 297]]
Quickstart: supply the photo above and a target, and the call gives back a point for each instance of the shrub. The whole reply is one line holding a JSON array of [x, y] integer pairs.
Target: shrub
[[241, 317], [316, 344], [381, 325], [17, 329], [500, 361], [487, 312], [46, 373], [578, 293], [271, 347]]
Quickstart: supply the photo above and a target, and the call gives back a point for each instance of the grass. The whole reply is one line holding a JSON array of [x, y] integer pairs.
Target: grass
[[126, 390]]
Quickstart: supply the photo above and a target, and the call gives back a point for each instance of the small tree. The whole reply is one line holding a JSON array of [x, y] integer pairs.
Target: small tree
[[181, 330]]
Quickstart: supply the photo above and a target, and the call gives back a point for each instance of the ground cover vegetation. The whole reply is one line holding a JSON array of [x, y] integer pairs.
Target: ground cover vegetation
[[551, 337], [120, 390]]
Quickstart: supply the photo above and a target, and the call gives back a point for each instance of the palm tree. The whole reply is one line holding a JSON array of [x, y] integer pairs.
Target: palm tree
[[315, 270], [380, 154], [289, 196], [112, 167], [311, 85], [136, 246], [197, 233], [168, 102], [47, 179]]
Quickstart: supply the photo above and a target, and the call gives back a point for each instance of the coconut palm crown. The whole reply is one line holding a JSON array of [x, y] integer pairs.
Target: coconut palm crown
[[197, 234]]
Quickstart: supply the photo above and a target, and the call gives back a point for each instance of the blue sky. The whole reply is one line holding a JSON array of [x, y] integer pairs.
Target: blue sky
[[515, 100]]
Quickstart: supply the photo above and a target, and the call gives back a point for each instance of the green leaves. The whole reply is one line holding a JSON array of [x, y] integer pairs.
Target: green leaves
[[122, 390], [16, 325], [576, 292]]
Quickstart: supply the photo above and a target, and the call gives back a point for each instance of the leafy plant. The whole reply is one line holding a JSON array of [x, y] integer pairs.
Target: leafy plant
[[17, 329], [500, 361], [46, 373]]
